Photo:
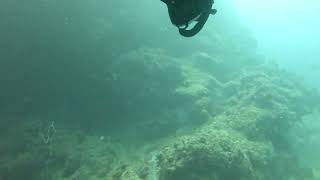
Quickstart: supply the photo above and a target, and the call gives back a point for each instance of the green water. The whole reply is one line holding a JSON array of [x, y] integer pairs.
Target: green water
[[108, 90]]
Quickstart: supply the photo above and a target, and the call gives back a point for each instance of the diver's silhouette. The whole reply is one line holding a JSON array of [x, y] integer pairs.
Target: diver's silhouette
[[183, 12]]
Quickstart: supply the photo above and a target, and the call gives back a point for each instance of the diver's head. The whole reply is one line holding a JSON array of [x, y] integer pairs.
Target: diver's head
[[183, 12]]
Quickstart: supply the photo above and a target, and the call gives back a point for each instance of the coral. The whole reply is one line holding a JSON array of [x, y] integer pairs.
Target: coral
[[215, 154], [124, 172], [154, 168]]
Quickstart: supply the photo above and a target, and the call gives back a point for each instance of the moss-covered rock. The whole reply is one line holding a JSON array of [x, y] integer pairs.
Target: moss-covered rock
[[213, 154]]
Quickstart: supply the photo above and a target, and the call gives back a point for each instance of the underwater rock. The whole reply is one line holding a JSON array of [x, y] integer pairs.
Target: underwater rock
[[214, 154], [25, 166], [146, 76], [124, 172], [71, 166]]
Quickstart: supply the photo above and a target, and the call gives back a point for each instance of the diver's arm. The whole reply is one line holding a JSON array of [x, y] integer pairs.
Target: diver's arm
[[197, 28]]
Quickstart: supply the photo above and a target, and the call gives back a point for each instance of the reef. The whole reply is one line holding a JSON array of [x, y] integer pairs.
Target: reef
[[186, 122], [125, 104]]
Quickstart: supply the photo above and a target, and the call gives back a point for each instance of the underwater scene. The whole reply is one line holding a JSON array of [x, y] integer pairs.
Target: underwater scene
[[159, 90]]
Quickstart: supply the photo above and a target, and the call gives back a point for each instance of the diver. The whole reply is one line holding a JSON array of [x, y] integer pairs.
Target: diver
[[184, 12]]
